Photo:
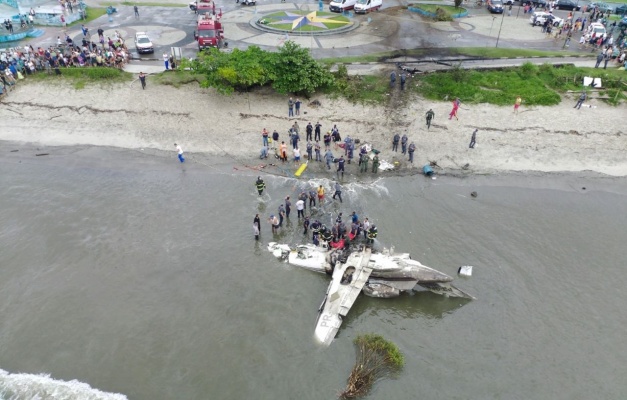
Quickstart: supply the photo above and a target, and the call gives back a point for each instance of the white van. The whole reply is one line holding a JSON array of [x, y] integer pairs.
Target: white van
[[364, 6], [342, 5]]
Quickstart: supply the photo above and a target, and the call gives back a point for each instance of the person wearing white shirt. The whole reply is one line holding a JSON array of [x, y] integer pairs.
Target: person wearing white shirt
[[300, 207], [180, 152]]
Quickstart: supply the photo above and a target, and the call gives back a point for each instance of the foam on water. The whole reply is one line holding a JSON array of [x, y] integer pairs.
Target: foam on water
[[35, 387]]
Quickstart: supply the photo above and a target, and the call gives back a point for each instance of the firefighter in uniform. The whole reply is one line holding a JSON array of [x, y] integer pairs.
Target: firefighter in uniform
[[260, 185], [372, 234]]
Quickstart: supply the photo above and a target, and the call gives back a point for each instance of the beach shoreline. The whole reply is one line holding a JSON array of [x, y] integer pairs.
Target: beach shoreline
[[541, 139]]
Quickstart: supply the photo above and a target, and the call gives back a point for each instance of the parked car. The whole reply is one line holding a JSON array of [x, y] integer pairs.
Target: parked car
[[566, 5], [597, 28], [621, 10], [603, 7], [538, 18], [143, 44], [623, 23], [495, 6]]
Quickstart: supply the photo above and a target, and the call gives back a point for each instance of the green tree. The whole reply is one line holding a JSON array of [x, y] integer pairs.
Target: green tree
[[295, 71], [238, 70]]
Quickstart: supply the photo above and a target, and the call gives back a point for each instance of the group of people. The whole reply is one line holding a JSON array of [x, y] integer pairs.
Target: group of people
[[337, 236]]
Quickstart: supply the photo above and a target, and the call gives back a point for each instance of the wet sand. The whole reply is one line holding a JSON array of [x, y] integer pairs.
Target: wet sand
[[545, 139]]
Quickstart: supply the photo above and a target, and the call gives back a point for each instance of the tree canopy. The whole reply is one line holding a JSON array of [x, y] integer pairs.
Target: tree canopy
[[290, 70]]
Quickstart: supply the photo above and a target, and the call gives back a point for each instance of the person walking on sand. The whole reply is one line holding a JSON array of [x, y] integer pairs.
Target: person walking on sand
[[473, 139], [517, 104], [430, 114], [456, 105], [283, 151], [296, 156], [142, 79], [582, 98], [290, 108], [136, 12], [179, 150], [328, 156]]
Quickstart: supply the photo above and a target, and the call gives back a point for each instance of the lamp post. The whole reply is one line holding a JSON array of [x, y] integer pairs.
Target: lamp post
[[491, 25]]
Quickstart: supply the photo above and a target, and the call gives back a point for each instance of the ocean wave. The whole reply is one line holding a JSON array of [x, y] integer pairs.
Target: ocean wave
[[39, 387]]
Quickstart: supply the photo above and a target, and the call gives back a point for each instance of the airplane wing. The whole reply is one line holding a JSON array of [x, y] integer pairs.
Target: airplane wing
[[348, 280], [445, 288]]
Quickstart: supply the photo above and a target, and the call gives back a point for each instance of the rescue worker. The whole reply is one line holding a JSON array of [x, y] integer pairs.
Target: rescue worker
[[303, 196], [309, 151], [375, 164], [340, 168], [260, 185], [288, 206], [312, 198], [338, 192], [392, 79], [315, 227], [328, 156], [412, 148], [306, 225], [395, 140], [404, 144], [430, 114], [317, 151], [309, 130], [364, 163], [402, 81], [372, 234], [317, 131]]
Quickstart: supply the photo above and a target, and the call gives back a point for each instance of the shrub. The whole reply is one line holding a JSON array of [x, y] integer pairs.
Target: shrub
[[376, 359], [528, 70]]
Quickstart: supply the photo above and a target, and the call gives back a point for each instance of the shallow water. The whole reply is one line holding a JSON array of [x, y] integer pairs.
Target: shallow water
[[140, 276]]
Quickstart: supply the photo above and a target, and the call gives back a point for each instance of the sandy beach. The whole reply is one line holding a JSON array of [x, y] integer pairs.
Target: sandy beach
[[547, 139]]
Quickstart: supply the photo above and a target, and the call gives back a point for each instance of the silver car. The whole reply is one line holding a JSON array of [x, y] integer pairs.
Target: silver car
[[143, 44]]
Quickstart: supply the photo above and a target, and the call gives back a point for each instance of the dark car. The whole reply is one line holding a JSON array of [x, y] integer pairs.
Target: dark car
[[600, 6], [621, 10], [566, 5], [495, 6]]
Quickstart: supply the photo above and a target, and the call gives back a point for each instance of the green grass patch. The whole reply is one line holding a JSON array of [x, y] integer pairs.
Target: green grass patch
[[432, 8], [92, 14], [367, 89], [536, 85], [152, 4], [80, 77], [492, 52], [177, 78], [330, 21]]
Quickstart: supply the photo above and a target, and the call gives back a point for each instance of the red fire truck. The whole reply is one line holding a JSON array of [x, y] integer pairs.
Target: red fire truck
[[209, 32]]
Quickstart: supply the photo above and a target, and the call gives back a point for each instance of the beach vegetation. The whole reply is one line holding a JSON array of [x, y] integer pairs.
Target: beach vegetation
[[537, 85], [376, 358], [290, 70], [80, 77]]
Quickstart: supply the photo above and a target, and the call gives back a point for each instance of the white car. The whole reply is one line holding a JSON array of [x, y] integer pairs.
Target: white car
[[539, 17], [597, 28], [143, 44]]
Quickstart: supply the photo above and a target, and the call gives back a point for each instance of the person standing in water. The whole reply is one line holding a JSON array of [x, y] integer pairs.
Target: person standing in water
[[260, 185]]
